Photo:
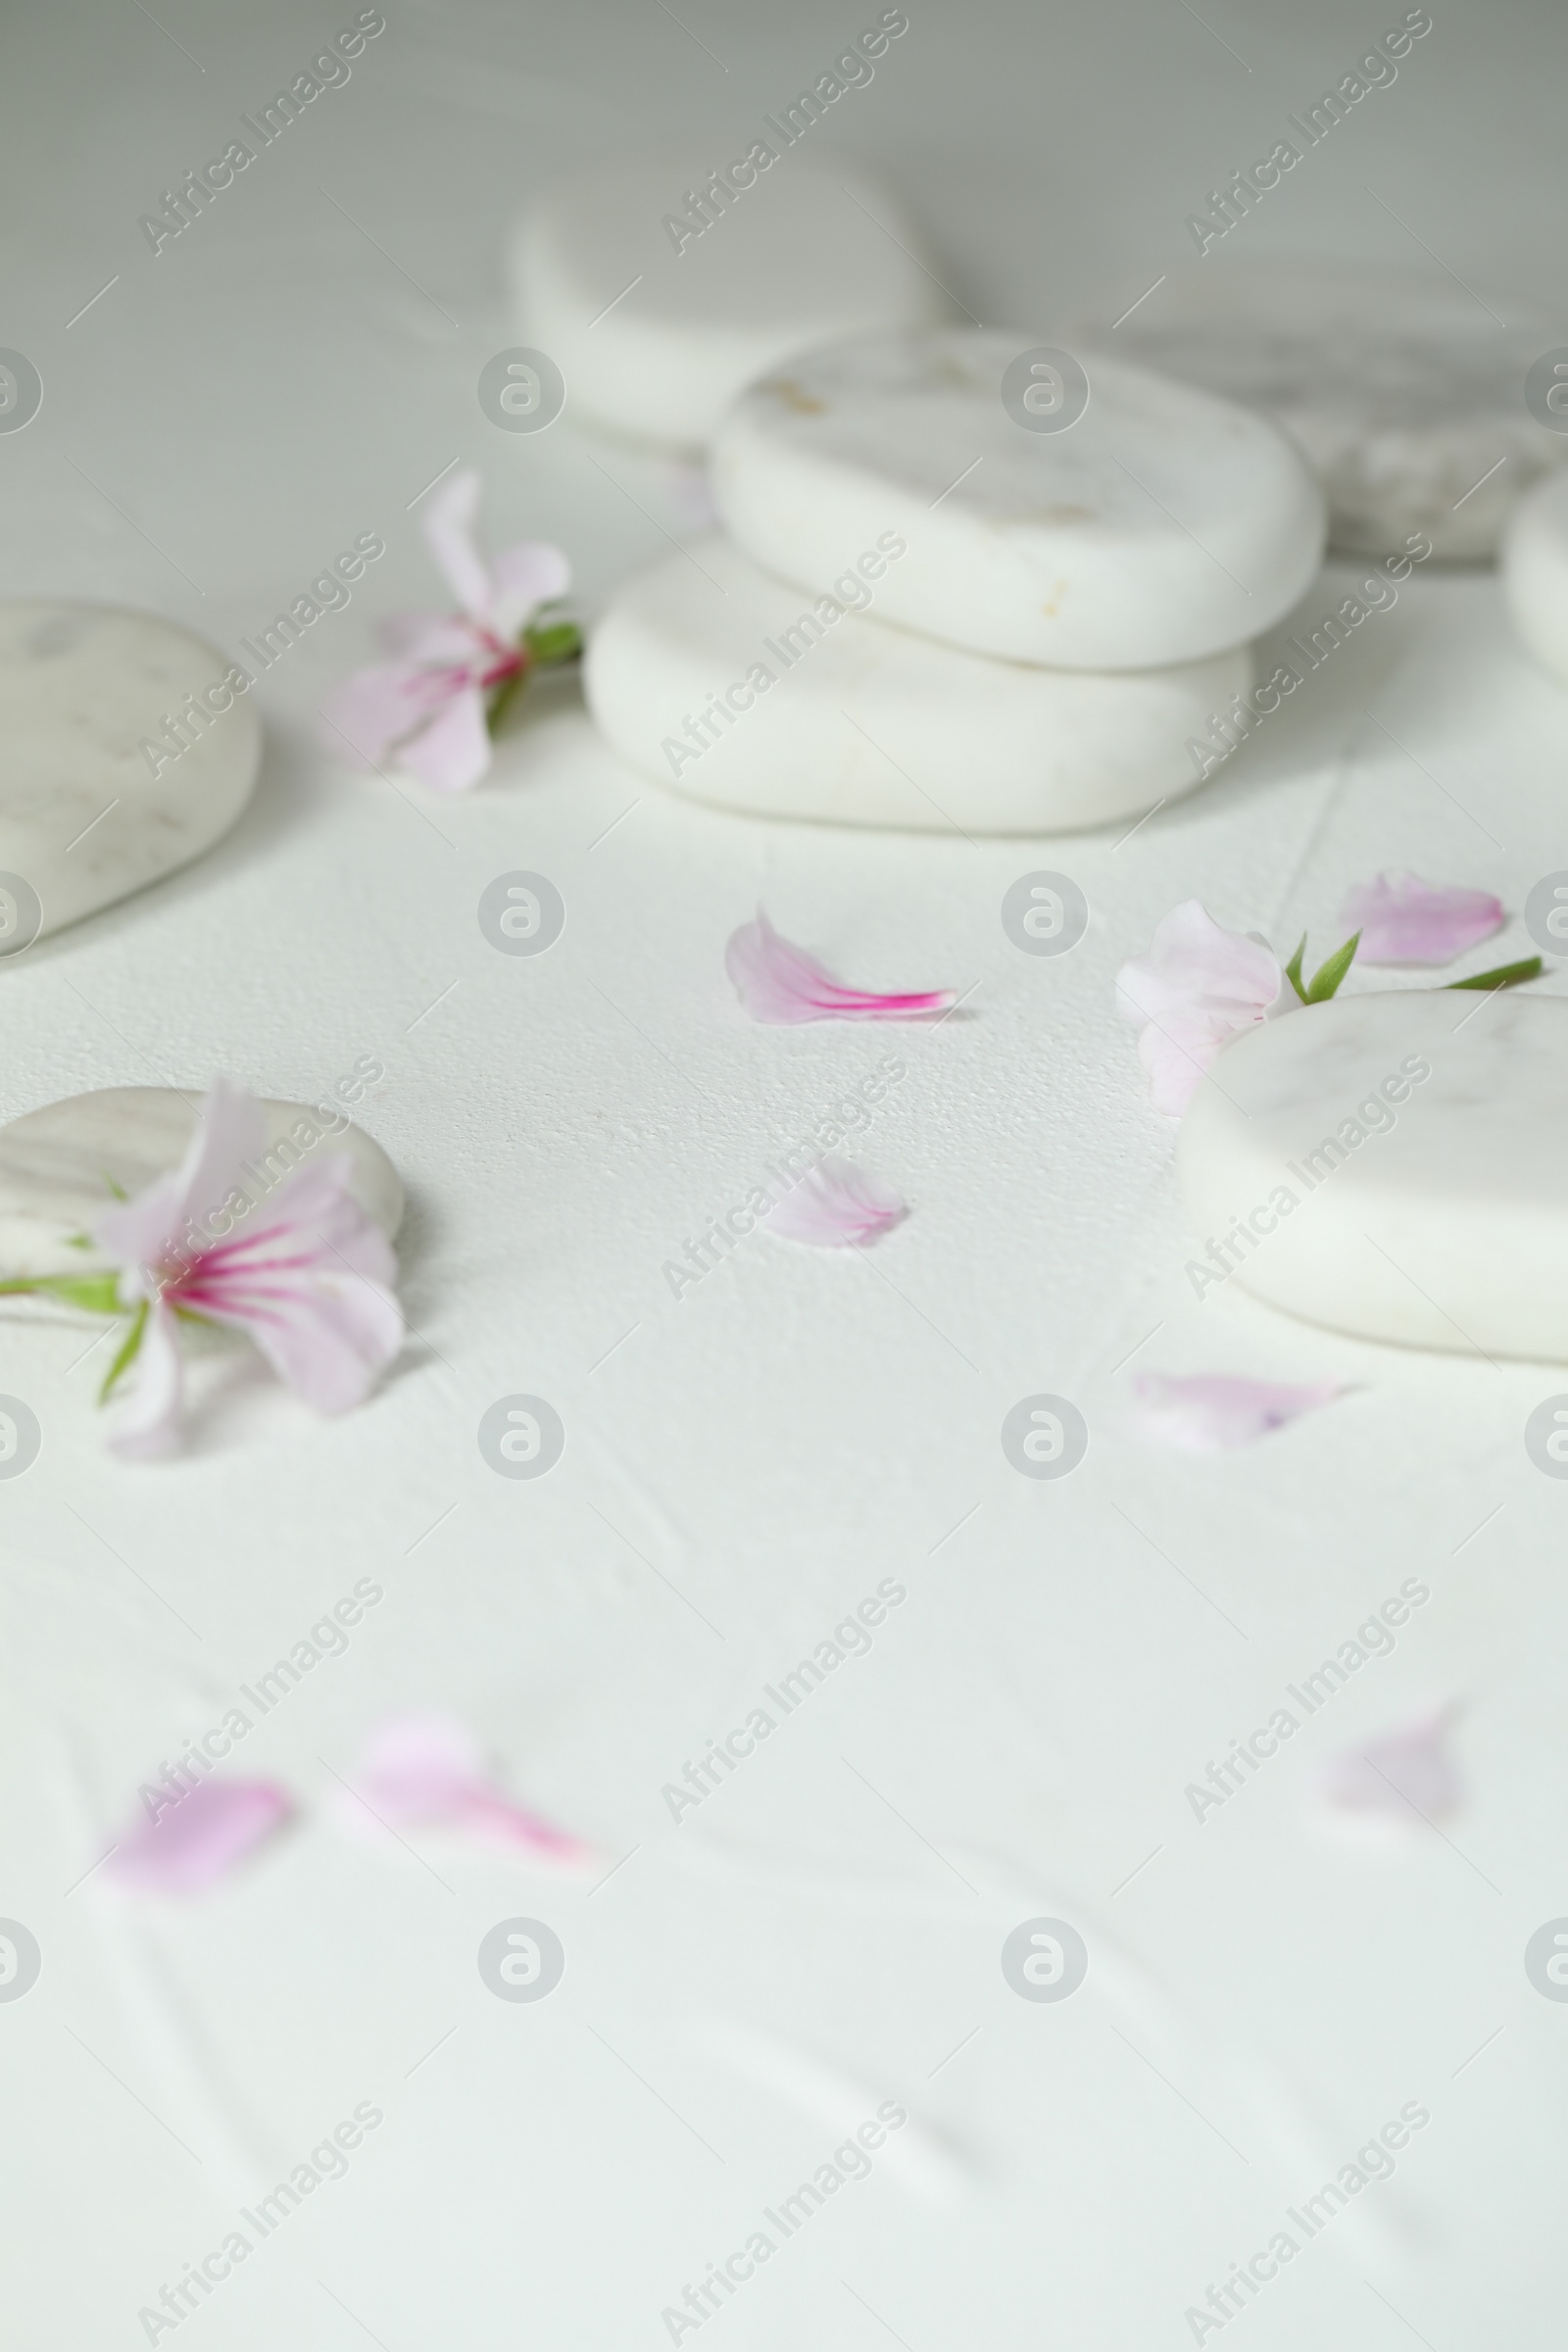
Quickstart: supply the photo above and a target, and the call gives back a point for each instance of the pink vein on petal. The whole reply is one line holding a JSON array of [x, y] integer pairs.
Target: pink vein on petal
[[429, 1769], [779, 982], [836, 1205]]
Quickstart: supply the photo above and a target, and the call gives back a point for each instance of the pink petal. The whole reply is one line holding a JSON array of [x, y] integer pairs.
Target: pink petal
[[449, 528], [1393, 1788], [199, 1836], [1402, 919], [147, 1421], [776, 981], [144, 1232], [1196, 987], [428, 1768], [530, 574], [373, 709], [1210, 1412], [310, 1277], [836, 1204], [453, 752]]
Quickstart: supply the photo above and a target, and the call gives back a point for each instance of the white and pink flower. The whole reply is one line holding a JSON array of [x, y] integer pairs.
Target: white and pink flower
[[305, 1274], [431, 711], [1198, 986]]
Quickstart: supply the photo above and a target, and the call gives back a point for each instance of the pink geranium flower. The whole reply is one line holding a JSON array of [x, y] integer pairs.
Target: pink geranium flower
[[1196, 986], [304, 1272], [431, 711]]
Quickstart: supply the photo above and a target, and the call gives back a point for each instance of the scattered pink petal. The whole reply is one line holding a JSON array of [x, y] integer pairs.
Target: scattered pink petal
[[1394, 1787], [776, 981], [197, 1837], [837, 1206], [427, 1769], [1402, 919], [303, 1271], [1198, 986], [1210, 1412]]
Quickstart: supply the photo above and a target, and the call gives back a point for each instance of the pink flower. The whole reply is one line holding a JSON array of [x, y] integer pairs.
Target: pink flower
[[1210, 1412], [777, 981], [836, 1205], [429, 711], [195, 1837], [1196, 986], [1402, 919], [303, 1271], [427, 1769]]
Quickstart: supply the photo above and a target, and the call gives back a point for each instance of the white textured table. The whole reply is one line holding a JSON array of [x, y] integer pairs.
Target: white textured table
[[742, 1466]]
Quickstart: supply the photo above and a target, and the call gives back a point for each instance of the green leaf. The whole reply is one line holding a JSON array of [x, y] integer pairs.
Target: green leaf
[[1326, 979], [129, 1350], [1504, 975], [98, 1293], [79, 1241], [559, 641], [1293, 971]]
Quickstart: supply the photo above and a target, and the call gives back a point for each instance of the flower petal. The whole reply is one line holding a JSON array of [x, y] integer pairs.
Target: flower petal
[[836, 1204], [1394, 1787], [147, 1424], [199, 1836], [151, 1229], [1210, 1412], [777, 981], [530, 574], [453, 752], [1196, 987], [428, 1768], [1402, 919], [309, 1276], [449, 529]]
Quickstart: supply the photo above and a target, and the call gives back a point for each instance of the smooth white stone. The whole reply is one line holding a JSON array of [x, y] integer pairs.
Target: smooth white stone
[[1448, 1228], [1162, 526], [1398, 385], [1534, 573], [873, 725], [56, 1165], [83, 820], [795, 261]]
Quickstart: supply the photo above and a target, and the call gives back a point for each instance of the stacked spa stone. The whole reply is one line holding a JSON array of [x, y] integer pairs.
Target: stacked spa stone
[[961, 583]]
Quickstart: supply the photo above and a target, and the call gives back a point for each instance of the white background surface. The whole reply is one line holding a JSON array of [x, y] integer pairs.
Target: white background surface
[[748, 1462]]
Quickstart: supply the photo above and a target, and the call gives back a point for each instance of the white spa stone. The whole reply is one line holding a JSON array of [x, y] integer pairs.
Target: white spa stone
[[83, 820], [1534, 573], [1446, 1226], [796, 258], [56, 1165], [1403, 389], [837, 716], [1162, 526]]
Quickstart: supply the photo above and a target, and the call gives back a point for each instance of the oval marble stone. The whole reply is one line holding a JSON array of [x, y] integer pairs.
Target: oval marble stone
[[1534, 573], [1163, 526], [1391, 1165], [1402, 388], [83, 819], [708, 674], [58, 1165], [656, 328]]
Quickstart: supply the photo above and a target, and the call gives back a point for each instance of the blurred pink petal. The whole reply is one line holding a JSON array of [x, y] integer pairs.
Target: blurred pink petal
[[836, 1204], [776, 981], [1393, 1788], [303, 1271], [1196, 986], [1210, 1412], [449, 529], [452, 752], [428, 1769], [199, 1836], [530, 574], [1402, 919]]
